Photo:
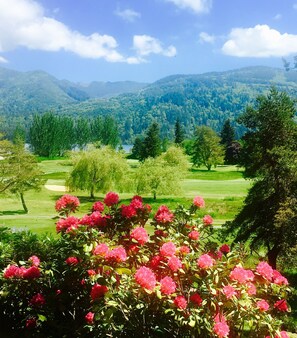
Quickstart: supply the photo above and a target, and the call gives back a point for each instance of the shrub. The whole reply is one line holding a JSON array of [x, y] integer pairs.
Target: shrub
[[114, 274]]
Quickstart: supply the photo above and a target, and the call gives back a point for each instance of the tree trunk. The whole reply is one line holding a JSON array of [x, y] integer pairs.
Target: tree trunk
[[92, 193], [23, 203], [272, 256], [155, 195]]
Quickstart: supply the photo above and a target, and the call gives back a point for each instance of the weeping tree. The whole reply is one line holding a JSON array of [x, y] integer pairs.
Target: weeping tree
[[269, 155], [98, 170]]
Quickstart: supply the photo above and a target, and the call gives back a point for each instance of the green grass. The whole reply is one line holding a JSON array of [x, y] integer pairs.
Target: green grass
[[223, 189]]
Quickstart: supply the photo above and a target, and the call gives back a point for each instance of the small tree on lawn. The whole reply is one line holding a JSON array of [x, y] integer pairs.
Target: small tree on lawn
[[152, 145], [98, 170], [179, 134], [207, 149], [162, 175], [19, 171]]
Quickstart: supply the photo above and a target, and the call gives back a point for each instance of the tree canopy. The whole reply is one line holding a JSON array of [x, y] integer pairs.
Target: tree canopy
[[97, 170], [267, 217], [207, 149]]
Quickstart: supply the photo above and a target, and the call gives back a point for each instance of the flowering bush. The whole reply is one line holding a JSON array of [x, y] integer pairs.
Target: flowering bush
[[113, 273]]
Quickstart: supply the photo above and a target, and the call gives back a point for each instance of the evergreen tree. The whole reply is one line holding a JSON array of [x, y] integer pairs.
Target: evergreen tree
[[227, 138], [270, 155], [178, 132], [82, 133], [137, 151], [152, 144]]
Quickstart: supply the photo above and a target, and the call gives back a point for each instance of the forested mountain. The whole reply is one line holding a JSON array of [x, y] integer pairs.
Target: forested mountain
[[204, 99]]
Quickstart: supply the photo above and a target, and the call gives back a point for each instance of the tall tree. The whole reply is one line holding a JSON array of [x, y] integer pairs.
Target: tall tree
[[137, 151], [110, 132], [152, 144], [270, 149], [227, 138], [207, 149], [178, 132], [82, 133], [98, 170], [19, 171], [51, 135]]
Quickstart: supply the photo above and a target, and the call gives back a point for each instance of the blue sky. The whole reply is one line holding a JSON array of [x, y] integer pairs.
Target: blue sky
[[144, 40]]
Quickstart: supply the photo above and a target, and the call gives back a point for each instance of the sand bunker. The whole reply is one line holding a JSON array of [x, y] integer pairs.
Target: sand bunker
[[55, 187]]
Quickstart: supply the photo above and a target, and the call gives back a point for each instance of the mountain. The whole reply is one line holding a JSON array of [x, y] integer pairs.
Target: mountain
[[195, 99]]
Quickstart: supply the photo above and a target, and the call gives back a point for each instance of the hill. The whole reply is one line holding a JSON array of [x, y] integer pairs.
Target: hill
[[196, 99]]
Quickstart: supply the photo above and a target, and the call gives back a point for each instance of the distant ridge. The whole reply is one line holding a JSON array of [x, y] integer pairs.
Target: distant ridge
[[195, 99]]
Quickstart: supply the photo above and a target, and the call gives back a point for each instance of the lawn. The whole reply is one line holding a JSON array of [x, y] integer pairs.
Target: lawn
[[223, 190]]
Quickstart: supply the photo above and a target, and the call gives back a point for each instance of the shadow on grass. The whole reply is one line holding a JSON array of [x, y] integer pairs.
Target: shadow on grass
[[12, 212]]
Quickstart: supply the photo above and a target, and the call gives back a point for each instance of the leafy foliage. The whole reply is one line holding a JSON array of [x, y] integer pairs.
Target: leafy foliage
[[106, 276]]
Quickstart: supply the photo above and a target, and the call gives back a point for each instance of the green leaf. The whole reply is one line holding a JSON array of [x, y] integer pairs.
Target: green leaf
[[42, 318], [123, 271]]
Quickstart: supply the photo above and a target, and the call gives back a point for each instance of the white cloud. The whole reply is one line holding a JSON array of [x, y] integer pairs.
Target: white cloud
[[295, 6], [128, 15], [197, 6], [259, 41], [205, 37], [3, 60], [146, 45], [23, 24]]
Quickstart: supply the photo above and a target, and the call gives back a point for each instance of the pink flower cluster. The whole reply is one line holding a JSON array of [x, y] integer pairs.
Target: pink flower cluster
[[140, 235], [205, 261], [98, 291], [145, 278], [241, 275], [163, 215], [32, 272], [67, 204], [111, 199], [168, 286], [168, 249], [199, 202]]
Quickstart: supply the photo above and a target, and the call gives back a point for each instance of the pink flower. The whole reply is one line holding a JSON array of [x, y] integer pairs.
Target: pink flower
[[91, 272], [180, 302], [98, 291], [281, 305], [140, 235], [279, 279], [137, 202], [229, 291], [194, 235], [168, 249], [174, 263], [241, 275], [128, 211], [184, 250], [145, 278], [155, 262], [265, 270], [67, 203], [111, 199], [12, 271], [72, 261], [205, 261], [207, 220], [283, 334], [98, 206], [163, 215], [225, 248], [32, 273], [221, 329], [251, 288], [101, 250], [34, 260], [64, 224], [31, 323], [89, 317], [198, 201], [37, 300], [262, 305], [168, 285], [196, 299], [117, 254]]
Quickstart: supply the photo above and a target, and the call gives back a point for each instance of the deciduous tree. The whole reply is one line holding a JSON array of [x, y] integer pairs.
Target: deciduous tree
[[97, 170], [207, 149]]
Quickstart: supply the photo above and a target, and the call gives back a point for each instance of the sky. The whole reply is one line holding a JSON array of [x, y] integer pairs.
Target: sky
[[144, 40]]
